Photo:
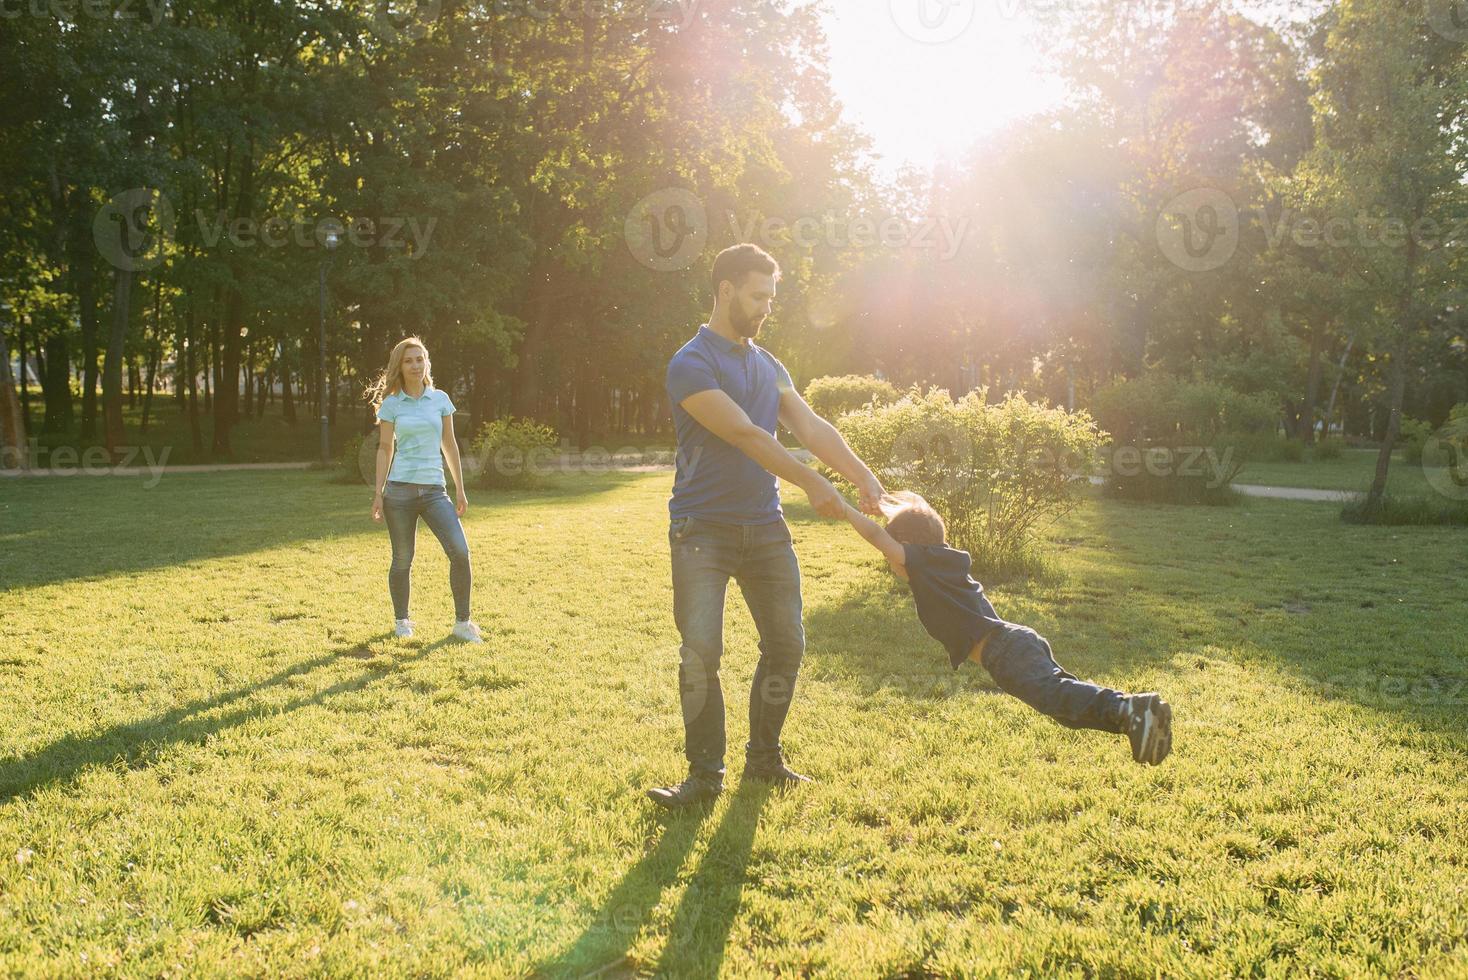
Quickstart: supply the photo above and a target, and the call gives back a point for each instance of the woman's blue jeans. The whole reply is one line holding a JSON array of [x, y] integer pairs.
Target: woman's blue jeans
[[402, 505]]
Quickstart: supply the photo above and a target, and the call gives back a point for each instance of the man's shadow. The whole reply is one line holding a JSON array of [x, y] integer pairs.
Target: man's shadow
[[705, 913]]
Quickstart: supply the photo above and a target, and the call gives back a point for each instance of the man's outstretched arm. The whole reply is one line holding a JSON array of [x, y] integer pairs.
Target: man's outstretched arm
[[717, 412], [822, 439]]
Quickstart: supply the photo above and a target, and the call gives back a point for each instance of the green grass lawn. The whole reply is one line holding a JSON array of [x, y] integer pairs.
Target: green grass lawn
[[217, 761], [1354, 470]]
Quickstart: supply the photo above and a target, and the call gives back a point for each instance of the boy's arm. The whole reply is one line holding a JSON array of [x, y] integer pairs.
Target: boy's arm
[[878, 538]]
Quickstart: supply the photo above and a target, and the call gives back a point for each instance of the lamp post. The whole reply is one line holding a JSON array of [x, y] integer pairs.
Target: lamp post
[[332, 237]]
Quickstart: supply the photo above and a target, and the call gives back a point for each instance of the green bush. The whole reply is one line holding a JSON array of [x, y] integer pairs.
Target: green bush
[[503, 449], [997, 473], [357, 460], [1416, 511], [1413, 439], [832, 397], [1328, 449], [1265, 447], [1183, 441]]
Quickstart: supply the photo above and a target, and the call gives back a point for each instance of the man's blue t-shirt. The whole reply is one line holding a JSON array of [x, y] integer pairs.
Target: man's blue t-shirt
[[715, 481]]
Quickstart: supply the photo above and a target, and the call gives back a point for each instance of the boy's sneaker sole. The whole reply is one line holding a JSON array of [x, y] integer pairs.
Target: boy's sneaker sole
[[1149, 728]]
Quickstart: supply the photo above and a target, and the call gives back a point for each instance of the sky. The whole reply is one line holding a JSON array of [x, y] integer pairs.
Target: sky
[[926, 79]]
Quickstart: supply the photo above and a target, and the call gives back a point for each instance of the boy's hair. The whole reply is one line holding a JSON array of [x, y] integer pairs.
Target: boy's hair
[[912, 520], [738, 261]]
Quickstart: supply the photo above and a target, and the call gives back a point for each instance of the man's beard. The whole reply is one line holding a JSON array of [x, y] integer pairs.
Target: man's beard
[[745, 326]]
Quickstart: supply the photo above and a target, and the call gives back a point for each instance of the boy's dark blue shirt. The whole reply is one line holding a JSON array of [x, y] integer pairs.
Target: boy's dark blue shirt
[[950, 604], [715, 481]]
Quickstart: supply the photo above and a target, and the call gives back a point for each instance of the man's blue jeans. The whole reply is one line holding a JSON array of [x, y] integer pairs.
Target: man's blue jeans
[[761, 559], [402, 505]]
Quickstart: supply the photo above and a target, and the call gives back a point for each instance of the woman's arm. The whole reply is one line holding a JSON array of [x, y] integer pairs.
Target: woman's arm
[[384, 463], [456, 465], [878, 538]]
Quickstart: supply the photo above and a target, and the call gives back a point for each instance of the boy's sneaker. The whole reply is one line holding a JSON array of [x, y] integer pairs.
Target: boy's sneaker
[[403, 629], [693, 790], [1148, 721], [468, 632]]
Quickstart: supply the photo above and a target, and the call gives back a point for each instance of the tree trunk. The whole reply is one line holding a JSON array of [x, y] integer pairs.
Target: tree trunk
[[525, 401], [262, 389], [208, 370], [287, 397], [247, 407], [1312, 385], [114, 436], [25, 388], [56, 385], [1393, 426], [153, 358], [12, 424], [1405, 325], [1335, 388], [180, 379], [191, 372], [87, 313]]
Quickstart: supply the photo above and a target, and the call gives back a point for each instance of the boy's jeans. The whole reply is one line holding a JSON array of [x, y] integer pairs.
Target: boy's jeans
[[761, 559], [402, 503], [1020, 661]]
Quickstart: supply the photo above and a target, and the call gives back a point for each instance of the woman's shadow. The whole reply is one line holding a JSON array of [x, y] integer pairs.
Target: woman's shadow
[[136, 745]]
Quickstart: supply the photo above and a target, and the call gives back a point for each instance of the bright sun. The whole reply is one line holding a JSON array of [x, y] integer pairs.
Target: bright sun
[[926, 79]]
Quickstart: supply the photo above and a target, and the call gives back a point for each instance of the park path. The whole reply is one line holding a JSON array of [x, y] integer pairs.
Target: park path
[[572, 462]]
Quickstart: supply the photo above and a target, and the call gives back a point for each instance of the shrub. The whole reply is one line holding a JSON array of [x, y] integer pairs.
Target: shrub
[[1328, 449], [996, 473], [1183, 441], [1407, 511], [832, 397], [357, 461], [1265, 447], [1413, 439], [502, 452]]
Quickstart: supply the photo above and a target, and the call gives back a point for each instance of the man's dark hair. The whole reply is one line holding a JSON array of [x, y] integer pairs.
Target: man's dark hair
[[738, 261], [913, 520]]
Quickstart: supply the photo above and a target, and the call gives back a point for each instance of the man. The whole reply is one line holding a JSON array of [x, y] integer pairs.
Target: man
[[728, 397]]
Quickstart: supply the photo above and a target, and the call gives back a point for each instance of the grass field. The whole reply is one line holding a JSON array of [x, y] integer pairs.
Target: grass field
[[1353, 470], [217, 761]]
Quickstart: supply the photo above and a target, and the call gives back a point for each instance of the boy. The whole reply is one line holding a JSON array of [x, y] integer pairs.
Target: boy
[[954, 610]]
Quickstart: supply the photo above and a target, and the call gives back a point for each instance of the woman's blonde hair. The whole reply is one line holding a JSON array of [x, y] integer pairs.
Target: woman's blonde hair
[[390, 381]]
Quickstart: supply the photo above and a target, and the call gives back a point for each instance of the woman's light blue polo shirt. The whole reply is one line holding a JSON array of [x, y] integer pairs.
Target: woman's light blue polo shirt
[[418, 426]]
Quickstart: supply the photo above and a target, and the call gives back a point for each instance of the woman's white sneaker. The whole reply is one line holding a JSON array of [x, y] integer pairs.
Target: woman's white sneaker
[[403, 629], [468, 632]]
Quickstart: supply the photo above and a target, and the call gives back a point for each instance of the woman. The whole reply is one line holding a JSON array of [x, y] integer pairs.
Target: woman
[[418, 419]]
